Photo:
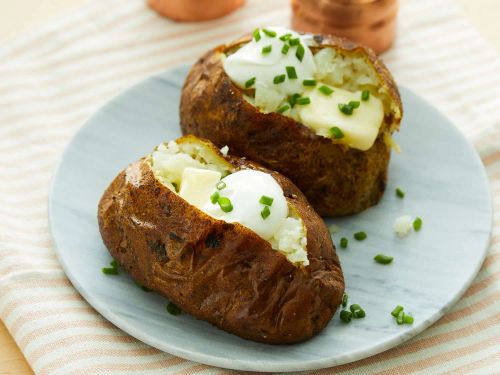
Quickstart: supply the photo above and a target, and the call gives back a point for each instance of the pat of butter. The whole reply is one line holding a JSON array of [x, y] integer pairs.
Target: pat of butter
[[198, 184], [360, 129]]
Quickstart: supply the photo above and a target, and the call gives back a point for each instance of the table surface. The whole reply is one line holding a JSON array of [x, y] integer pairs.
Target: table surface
[[16, 20]]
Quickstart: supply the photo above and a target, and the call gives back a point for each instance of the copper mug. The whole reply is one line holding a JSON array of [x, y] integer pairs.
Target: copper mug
[[194, 10], [368, 22]]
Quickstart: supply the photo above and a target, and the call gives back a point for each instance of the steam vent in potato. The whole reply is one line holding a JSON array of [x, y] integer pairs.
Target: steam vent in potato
[[318, 109], [225, 239]]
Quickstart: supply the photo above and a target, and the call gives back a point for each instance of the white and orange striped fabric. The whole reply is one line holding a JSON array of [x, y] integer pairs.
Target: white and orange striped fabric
[[53, 80]]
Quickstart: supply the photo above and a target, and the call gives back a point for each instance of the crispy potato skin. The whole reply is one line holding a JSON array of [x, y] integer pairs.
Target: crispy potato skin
[[336, 180], [216, 271]]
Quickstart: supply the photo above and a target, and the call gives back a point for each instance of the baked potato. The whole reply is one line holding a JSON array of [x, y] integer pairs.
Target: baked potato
[[318, 109], [177, 237]]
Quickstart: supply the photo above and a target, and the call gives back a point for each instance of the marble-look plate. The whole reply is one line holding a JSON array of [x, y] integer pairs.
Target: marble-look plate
[[442, 176]]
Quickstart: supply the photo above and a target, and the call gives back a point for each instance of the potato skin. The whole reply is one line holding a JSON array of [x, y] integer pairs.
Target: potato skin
[[216, 271], [336, 180]]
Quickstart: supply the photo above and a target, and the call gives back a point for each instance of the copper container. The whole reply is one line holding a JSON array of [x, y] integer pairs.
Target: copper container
[[194, 10], [369, 22]]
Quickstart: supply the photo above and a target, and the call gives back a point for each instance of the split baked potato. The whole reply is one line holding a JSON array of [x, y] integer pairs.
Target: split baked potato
[[283, 289], [341, 170]]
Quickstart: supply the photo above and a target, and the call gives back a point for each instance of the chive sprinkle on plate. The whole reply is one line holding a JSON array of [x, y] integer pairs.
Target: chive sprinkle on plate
[[344, 242], [383, 259], [360, 236], [173, 309], [417, 224], [400, 193]]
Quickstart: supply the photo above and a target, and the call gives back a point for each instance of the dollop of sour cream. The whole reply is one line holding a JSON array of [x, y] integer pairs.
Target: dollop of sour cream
[[244, 189], [250, 61]]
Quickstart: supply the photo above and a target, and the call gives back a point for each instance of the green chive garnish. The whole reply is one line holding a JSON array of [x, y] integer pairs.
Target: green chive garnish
[[265, 212], [345, 316], [397, 310], [383, 259], [360, 236], [345, 299], [283, 108], [268, 201], [346, 109], [344, 242], [354, 104], [400, 317], [267, 49], [214, 197], [294, 41], [250, 82], [417, 224], [269, 33], [336, 133], [357, 311], [293, 99], [284, 49], [225, 204], [114, 263], [110, 271], [400, 193], [173, 309], [365, 95], [325, 90], [256, 35], [285, 37], [300, 52], [303, 100], [309, 82], [220, 185], [279, 79], [407, 319], [290, 71]]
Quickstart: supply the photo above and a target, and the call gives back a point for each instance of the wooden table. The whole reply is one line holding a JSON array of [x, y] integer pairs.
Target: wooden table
[[20, 16]]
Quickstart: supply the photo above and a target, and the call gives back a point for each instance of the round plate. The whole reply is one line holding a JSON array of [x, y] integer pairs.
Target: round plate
[[442, 176]]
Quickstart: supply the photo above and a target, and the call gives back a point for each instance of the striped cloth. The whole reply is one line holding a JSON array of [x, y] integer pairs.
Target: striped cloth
[[53, 80]]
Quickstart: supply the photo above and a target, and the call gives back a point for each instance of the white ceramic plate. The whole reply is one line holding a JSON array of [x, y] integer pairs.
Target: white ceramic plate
[[442, 176]]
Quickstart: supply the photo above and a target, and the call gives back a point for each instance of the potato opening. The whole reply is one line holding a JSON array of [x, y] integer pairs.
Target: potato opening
[[198, 172], [338, 94]]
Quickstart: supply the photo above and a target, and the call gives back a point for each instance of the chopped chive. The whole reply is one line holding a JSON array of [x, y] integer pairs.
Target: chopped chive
[[279, 79], [360, 236], [345, 316], [407, 319], [383, 259], [214, 197], [354, 307], [309, 82], [283, 108], [365, 95], [268, 201], [345, 299], [265, 212], [300, 52], [139, 285], [395, 312], [354, 104], [225, 204], [285, 37], [417, 224], [294, 41], [290, 71], [344, 242], [269, 33], [325, 90], [220, 185], [110, 270], [400, 193], [303, 100], [173, 309], [114, 263], [284, 49], [336, 133], [256, 35], [267, 49], [400, 317], [293, 99], [346, 109], [250, 82], [357, 311]]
